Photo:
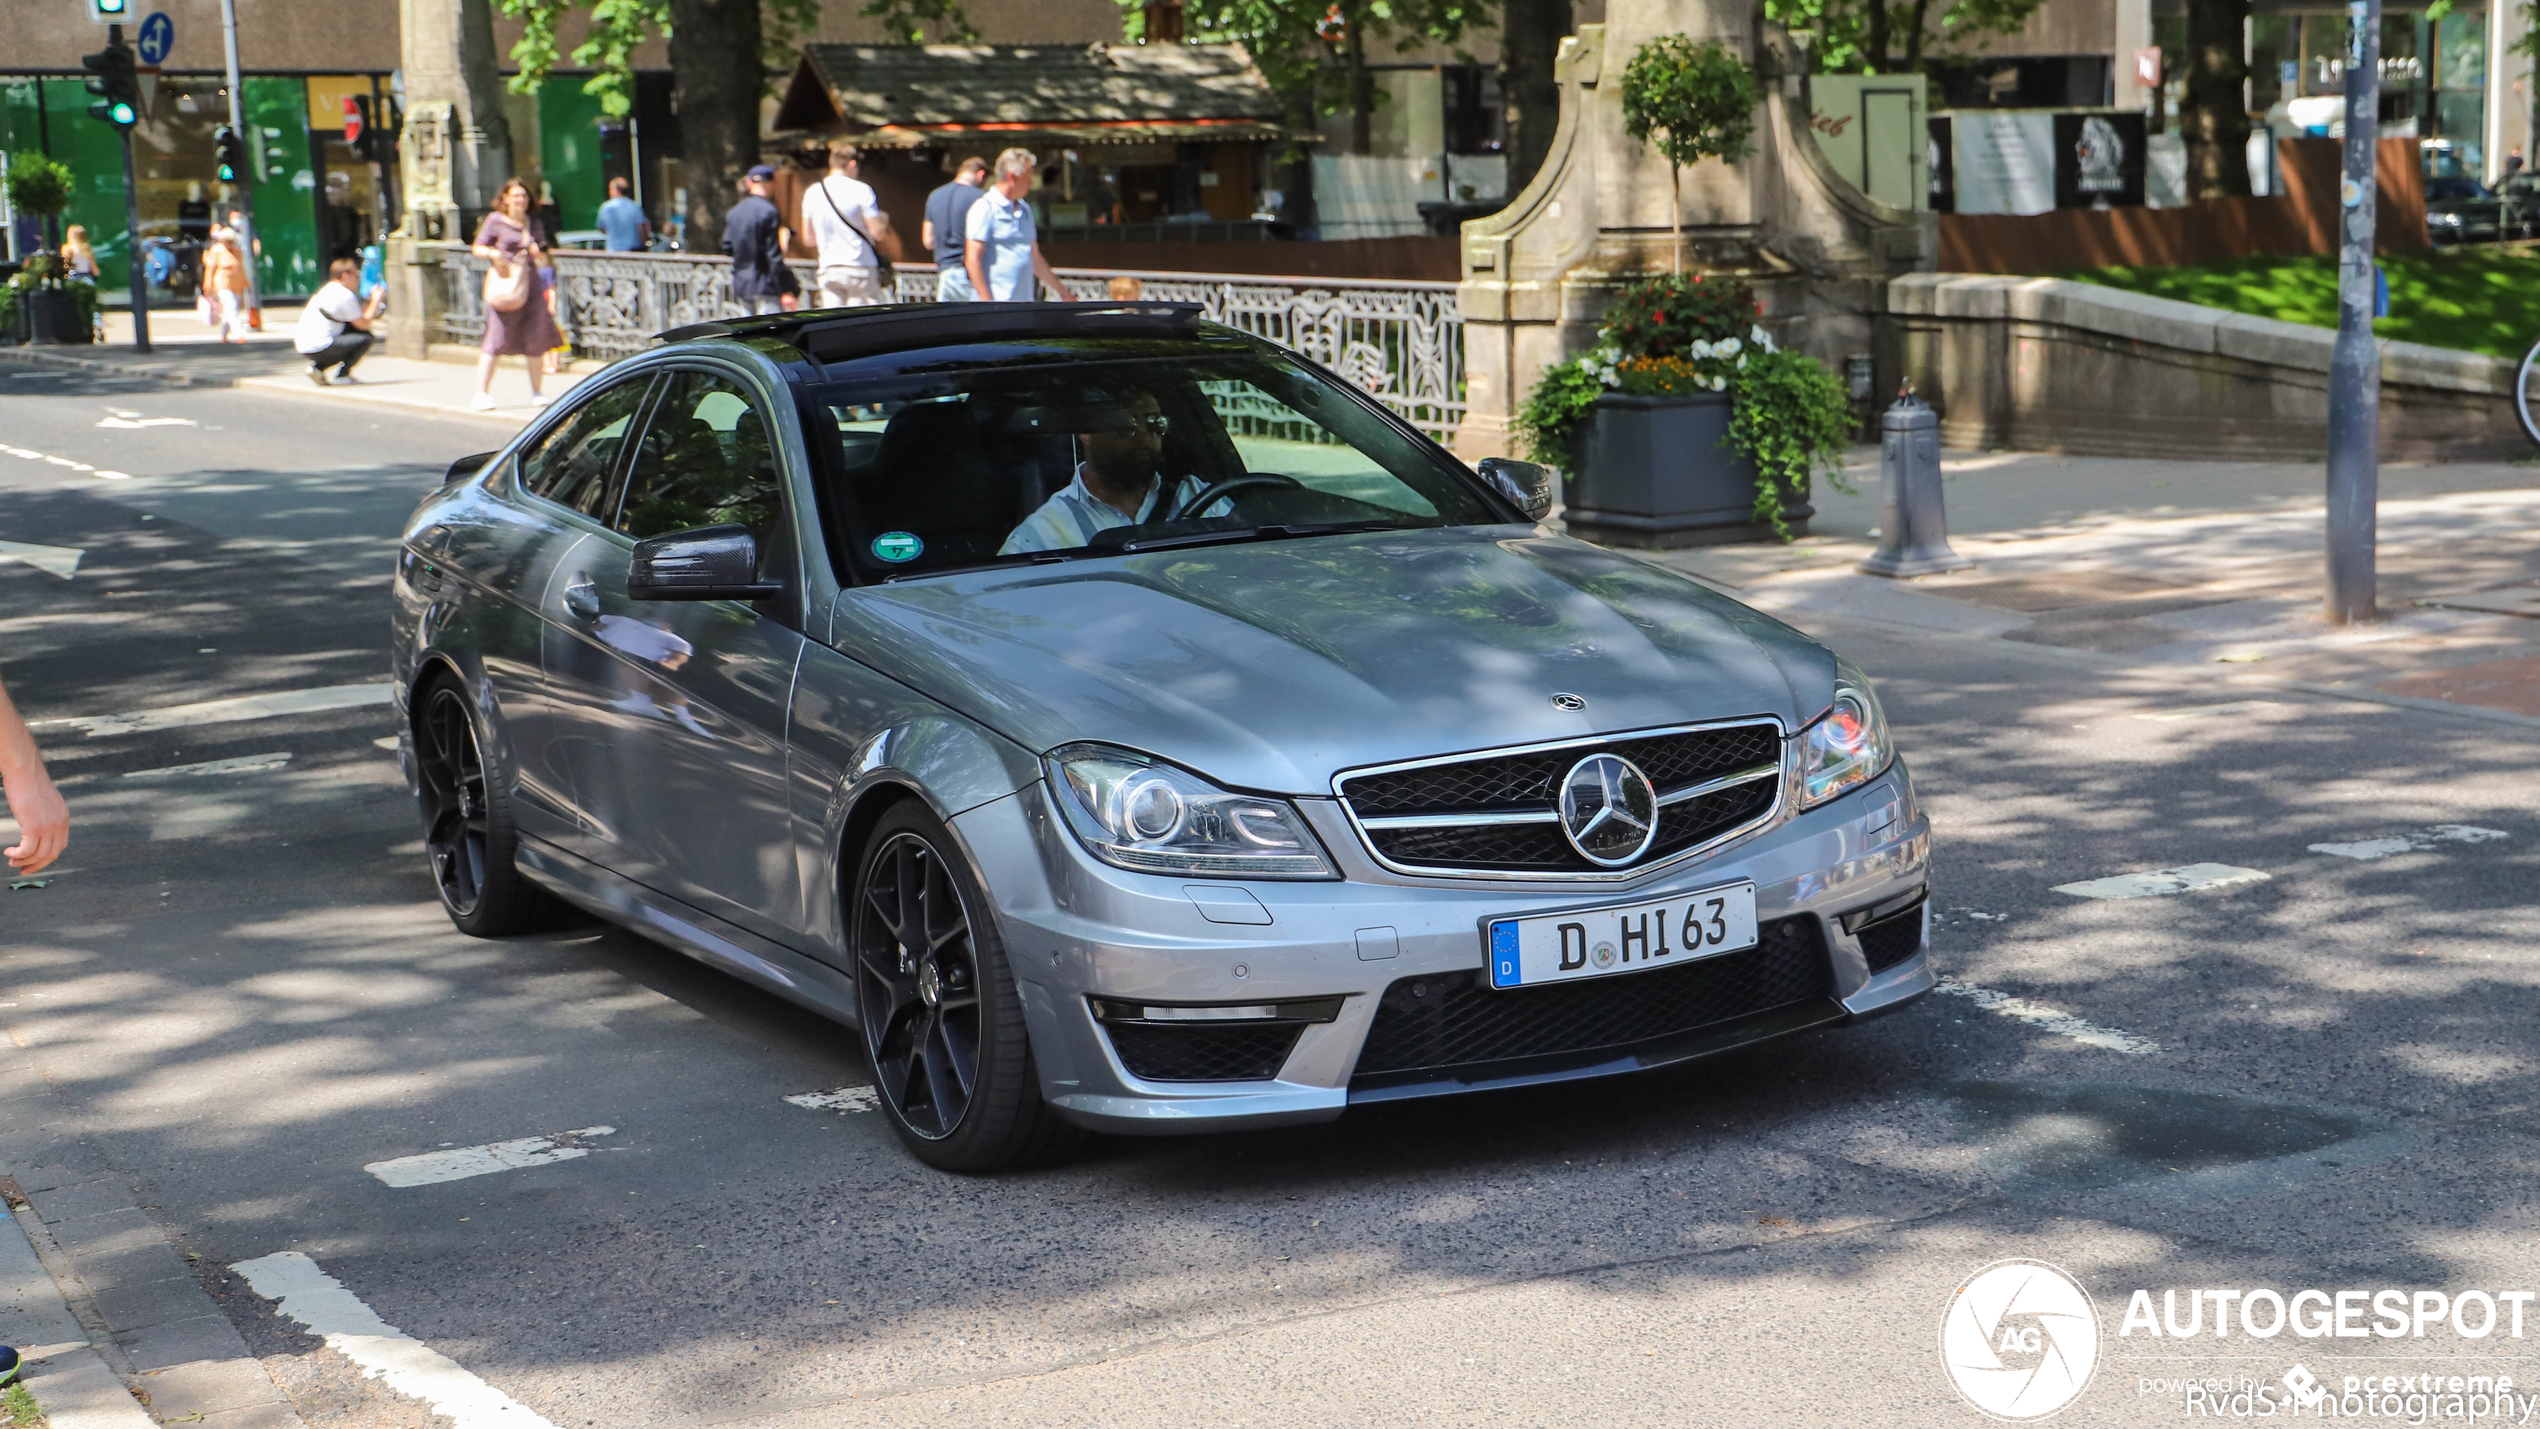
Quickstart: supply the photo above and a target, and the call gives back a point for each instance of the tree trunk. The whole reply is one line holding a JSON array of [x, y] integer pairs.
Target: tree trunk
[[2214, 117], [1358, 82], [1914, 38], [715, 81], [1531, 32], [1877, 43], [480, 70]]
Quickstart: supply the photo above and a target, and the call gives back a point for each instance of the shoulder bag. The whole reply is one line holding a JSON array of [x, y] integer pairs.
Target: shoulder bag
[[508, 292], [883, 257]]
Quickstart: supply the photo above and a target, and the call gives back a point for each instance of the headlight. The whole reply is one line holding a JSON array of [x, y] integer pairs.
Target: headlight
[[2445, 220], [1137, 813], [1847, 746]]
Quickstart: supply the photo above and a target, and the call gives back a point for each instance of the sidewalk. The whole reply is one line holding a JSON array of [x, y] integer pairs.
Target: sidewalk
[[2211, 564], [184, 351]]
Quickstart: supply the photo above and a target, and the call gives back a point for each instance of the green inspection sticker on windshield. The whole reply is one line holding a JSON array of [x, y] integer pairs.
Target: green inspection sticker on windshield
[[898, 547]]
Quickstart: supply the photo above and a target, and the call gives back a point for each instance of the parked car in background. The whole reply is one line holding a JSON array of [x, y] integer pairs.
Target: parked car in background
[[1124, 723], [2460, 209]]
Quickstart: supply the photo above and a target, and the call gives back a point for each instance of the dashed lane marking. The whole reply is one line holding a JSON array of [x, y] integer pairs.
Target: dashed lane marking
[[2049, 1019], [2415, 841], [243, 764], [98, 472], [840, 1099], [457, 1164], [61, 561], [306, 1293], [2163, 882], [243, 707]]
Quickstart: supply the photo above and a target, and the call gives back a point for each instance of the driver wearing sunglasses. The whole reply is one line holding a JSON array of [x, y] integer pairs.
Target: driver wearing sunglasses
[[1117, 483]]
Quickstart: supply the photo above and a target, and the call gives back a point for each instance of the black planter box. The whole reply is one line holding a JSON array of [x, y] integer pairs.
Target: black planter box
[[51, 316], [1660, 472]]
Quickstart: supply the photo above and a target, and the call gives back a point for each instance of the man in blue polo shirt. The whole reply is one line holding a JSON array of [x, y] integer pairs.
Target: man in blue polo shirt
[[622, 220], [1002, 237]]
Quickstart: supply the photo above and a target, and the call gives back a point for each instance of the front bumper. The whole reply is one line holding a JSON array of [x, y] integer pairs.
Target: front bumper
[[1076, 929]]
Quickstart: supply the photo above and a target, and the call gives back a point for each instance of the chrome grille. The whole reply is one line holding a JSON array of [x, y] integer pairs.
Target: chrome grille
[[1495, 812]]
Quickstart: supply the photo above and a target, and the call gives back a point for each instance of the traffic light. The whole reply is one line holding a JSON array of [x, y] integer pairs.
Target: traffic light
[[229, 153], [117, 85], [108, 11]]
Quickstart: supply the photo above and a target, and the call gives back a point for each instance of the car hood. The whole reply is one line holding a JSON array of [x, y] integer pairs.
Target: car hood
[[1273, 665]]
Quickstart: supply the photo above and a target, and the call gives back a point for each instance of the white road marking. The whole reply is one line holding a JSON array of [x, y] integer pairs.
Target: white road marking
[[106, 475], [134, 420], [2417, 841], [840, 1099], [387, 742], [2163, 882], [306, 1293], [243, 764], [2051, 1019], [62, 561], [457, 1165], [2203, 711], [287, 702]]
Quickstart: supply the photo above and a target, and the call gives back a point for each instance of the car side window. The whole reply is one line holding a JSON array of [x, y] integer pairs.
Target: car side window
[[576, 463], [706, 460]]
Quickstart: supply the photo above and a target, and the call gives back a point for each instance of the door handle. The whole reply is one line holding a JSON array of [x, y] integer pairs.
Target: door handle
[[582, 598]]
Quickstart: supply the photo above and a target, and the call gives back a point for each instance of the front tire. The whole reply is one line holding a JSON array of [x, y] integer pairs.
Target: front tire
[[942, 1022], [467, 820]]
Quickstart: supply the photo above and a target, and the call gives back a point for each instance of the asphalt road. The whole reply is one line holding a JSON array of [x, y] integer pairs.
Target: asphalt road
[[242, 992]]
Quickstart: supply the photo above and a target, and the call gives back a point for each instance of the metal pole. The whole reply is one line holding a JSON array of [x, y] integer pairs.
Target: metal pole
[[2354, 365], [255, 154], [134, 268]]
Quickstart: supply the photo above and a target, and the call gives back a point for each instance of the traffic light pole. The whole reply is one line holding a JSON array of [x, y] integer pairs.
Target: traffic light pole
[[247, 180], [138, 270], [2354, 364]]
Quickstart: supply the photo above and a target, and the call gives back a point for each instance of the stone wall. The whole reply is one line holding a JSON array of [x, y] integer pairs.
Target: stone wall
[[2045, 364]]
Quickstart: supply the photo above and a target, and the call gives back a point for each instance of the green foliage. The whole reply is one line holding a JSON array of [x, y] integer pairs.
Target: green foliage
[[1792, 418], [1679, 336], [18, 1409], [1849, 42], [907, 20], [38, 185], [1302, 46], [1662, 316], [618, 26], [2480, 300], [1690, 101]]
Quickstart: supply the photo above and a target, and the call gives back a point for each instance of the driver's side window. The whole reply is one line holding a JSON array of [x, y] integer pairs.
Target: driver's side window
[[707, 460]]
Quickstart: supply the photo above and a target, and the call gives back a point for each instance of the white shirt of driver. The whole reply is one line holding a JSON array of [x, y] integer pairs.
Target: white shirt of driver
[[839, 245], [1072, 517], [325, 318]]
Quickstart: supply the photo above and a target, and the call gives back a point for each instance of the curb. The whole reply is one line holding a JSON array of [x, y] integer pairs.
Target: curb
[[265, 383], [119, 1319]]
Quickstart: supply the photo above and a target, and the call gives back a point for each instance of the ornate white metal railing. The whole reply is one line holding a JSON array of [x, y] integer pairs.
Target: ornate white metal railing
[[1403, 342]]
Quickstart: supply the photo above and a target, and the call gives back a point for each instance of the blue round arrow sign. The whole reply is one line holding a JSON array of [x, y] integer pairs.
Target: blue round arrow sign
[[157, 37]]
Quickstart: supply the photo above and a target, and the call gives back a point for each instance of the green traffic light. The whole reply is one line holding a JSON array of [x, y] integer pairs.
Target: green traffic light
[[123, 114]]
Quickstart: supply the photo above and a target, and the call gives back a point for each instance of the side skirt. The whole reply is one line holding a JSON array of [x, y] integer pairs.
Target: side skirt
[[700, 935]]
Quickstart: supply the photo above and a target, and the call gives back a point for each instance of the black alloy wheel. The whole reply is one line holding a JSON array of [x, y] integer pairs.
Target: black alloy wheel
[[951, 1061], [467, 827]]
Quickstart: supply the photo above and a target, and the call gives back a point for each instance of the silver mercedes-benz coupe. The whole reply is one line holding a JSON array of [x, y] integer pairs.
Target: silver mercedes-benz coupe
[[1124, 723]]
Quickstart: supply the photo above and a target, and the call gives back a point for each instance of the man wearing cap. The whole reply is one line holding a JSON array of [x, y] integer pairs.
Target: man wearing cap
[[751, 235]]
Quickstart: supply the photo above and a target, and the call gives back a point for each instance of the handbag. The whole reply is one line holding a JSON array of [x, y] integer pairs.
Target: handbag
[[507, 292], [207, 310]]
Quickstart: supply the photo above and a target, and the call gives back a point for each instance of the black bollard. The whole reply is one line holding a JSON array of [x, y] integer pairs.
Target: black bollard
[[1913, 527]]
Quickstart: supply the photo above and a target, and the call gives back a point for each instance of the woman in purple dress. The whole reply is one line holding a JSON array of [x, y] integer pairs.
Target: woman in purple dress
[[529, 330]]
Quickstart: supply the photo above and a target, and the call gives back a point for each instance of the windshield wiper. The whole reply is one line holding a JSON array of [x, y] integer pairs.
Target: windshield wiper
[[999, 563], [1242, 534]]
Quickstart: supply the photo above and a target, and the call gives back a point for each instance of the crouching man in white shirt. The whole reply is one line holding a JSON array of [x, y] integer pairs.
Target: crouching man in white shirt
[[334, 328]]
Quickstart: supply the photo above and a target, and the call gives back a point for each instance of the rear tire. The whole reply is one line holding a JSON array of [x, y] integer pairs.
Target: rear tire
[[942, 1021], [2527, 394], [467, 819]]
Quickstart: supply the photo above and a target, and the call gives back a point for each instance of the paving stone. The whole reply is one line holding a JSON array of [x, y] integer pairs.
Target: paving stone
[[208, 1387], [176, 1342], [61, 1205]]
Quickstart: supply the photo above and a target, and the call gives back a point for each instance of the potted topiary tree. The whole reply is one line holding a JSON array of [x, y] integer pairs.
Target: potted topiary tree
[[42, 306]]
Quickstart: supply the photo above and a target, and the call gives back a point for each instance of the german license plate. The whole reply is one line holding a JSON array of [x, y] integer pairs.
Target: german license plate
[[1626, 938]]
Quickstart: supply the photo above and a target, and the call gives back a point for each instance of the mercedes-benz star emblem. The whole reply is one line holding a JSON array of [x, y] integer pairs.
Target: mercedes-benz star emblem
[[1609, 809], [1567, 701]]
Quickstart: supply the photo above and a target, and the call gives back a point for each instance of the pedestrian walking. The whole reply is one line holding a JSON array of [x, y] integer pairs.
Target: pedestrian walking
[[518, 322], [753, 238], [225, 284], [1001, 237], [79, 261], [622, 220], [44, 821], [334, 328], [942, 230], [851, 232]]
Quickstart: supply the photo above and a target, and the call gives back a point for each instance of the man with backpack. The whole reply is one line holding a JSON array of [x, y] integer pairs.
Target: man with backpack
[[852, 233]]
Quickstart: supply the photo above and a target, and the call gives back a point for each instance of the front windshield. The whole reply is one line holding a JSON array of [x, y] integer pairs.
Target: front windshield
[[1049, 455]]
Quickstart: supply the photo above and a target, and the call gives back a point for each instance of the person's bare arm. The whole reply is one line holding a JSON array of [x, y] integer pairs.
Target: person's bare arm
[[44, 821], [1049, 276], [974, 256], [925, 233]]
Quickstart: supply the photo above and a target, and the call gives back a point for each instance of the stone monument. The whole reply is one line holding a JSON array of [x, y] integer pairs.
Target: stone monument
[[1539, 274], [454, 152]]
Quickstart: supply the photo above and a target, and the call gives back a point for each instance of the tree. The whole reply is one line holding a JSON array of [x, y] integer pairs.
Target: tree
[[1530, 35], [1318, 49], [40, 186], [722, 55], [2214, 117], [1691, 102], [1864, 36]]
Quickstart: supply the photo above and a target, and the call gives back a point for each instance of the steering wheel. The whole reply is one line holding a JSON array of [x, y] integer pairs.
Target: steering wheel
[[1213, 494]]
